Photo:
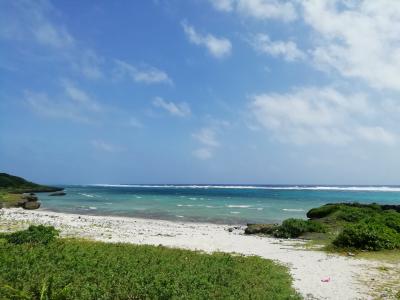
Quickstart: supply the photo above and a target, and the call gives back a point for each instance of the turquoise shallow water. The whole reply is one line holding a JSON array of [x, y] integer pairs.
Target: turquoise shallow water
[[216, 204]]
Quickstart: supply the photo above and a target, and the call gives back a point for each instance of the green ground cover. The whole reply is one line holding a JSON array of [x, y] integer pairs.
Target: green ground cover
[[343, 226], [35, 264]]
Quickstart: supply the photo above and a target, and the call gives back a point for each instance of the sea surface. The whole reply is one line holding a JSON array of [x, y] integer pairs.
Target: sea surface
[[229, 204]]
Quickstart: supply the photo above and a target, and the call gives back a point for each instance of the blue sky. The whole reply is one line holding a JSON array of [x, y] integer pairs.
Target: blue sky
[[202, 91]]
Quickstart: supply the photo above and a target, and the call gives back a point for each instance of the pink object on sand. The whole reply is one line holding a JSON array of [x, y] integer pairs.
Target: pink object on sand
[[326, 279]]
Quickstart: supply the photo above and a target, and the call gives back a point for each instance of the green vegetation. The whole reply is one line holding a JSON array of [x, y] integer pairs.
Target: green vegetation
[[344, 226], [34, 264], [293, 228], [290, 228], [33, 235], [8, 197], [15, 184], [12, 187]]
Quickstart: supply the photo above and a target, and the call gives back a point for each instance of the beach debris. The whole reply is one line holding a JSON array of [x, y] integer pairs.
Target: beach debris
[[350, 254], [326, 279], [230, 229]]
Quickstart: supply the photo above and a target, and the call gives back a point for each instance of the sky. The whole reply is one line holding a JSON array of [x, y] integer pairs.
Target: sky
[[200, 91]]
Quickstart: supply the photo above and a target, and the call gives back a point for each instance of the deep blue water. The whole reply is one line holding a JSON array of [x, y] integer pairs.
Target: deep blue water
[[219, 204]]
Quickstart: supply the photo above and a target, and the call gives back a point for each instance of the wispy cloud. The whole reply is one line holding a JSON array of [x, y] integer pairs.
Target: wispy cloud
[[217, 47], [79, 96], [259, 9], [31, 22], [106, 146], [28, 20], [90, 64], [288, 50], [135, 122], [73, 104], [58, 109], [174, 109], [144, 74], [203, 153], [267, 9], [207, 137], [223, 5]]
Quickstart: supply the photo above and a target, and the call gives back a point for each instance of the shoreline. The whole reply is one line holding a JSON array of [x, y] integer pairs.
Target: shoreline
[[173, 220], [350, 278]]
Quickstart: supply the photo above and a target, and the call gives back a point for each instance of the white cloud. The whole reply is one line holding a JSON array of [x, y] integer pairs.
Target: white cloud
[[358, 39], [28, 20], [134, 122], [106, 147], [289, 50], [207, 136], [73, 104], [145, 74], [267, 9], [223, 5], [90, 64], [203, 153], [80, 96], [217, 47], [321, 115], [33, 22], [377, 134], [175, 109], [48, 34], [58, 109], [259, 9]]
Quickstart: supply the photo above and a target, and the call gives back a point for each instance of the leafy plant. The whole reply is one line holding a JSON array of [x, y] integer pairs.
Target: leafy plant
[[322, 211], [34, 234], [292, 228], [368, 236]]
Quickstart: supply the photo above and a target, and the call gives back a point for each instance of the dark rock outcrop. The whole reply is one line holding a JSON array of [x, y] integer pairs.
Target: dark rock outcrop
[[31, 205], [260, 228], [58, 194]]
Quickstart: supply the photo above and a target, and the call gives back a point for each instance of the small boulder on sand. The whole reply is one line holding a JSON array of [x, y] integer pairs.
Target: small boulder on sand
[[31, 205]]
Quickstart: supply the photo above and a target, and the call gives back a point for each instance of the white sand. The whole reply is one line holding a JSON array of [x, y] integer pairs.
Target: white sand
[[348, 276]]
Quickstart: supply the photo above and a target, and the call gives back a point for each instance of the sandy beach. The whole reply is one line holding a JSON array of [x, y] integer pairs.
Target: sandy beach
[[348, 277]]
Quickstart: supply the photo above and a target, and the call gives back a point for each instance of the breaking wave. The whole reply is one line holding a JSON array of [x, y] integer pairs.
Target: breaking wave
[[257, 187]]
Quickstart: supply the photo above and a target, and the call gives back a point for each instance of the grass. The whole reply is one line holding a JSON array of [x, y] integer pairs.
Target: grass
[[77, 269], [8, 197]]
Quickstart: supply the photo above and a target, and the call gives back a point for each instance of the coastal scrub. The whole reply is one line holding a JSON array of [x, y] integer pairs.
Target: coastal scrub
[[77, 269]]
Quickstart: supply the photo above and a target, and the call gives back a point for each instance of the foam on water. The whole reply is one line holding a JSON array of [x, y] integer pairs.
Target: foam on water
[[86, 195], [295, 187]]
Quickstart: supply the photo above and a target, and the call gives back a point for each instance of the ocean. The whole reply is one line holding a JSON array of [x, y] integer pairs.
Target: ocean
[[229, 204]]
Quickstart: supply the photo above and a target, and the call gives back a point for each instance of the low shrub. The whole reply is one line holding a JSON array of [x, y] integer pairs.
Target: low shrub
[[293, 228], [345, 209], [368, 236], [391, 219], [34, 235], [323, 211], [354, 214]]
